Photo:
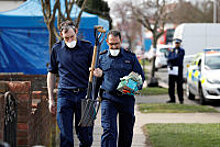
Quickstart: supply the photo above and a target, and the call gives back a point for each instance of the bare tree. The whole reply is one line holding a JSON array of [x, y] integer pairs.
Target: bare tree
[[49, 13], [187, 12], [152, 14], [98, 7], [129, 26], [49, 19]]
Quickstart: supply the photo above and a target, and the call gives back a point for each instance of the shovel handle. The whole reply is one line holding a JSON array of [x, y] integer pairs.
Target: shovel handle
[[93, 63], [100, 29]]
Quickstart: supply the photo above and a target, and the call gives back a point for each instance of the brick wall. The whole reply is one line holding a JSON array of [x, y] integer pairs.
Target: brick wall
[[22, 93], [43, 124], [38, 82], [3, 88], [35, 125], [2, 108]]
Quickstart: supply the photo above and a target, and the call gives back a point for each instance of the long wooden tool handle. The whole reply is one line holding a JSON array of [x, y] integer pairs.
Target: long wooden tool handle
[[93, 63], [100, 29]]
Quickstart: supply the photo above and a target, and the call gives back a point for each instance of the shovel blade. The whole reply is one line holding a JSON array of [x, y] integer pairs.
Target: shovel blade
[[88, 112]]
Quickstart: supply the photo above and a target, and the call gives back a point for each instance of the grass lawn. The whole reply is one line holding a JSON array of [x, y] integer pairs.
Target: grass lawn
[[153, 91], [183, 135], [174, 108]]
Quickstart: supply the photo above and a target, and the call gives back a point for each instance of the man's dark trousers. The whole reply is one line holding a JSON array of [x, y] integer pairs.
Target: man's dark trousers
[[173, 79], [69, 103], [109, 110]]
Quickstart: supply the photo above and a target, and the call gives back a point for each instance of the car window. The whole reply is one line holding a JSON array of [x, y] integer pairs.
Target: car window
[[193, 62], [213, 62], [163, 50]]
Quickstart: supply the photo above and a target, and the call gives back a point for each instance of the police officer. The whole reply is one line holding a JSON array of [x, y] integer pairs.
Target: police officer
[[71, 59], [175, 71], [115, 64]]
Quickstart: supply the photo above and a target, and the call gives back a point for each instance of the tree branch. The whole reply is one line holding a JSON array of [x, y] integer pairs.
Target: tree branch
[[56, 5], [60, 17], [48, 8], [43, 11], [56, 33], [145, 20], [66, 6], [80, 13], [71, 5]]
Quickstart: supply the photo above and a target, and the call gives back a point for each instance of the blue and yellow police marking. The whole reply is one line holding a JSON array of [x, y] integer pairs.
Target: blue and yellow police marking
[[194, 75], [203, 80]]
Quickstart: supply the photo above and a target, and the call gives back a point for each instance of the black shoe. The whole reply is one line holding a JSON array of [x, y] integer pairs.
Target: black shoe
[[181, 102], [170, 101]]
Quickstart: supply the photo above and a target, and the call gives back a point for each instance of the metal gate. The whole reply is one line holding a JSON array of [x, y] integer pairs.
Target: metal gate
[[10, 119]]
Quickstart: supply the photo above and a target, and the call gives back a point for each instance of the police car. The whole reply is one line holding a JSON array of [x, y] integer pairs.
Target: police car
[[203, 76]]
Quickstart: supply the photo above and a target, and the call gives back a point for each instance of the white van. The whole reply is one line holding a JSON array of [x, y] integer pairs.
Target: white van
[[197, 36]]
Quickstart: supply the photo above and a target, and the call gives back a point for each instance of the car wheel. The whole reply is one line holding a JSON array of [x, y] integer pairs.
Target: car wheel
[[189, 94], [201, 97]]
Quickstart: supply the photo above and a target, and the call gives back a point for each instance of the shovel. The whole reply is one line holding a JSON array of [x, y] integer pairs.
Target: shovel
[[89, 105]]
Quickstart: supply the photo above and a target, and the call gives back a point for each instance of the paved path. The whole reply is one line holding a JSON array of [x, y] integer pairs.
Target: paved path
[[138, 138], [142, 119]]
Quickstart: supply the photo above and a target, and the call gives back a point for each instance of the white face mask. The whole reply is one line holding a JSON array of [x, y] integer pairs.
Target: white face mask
[[114, 52], [71, 44]]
